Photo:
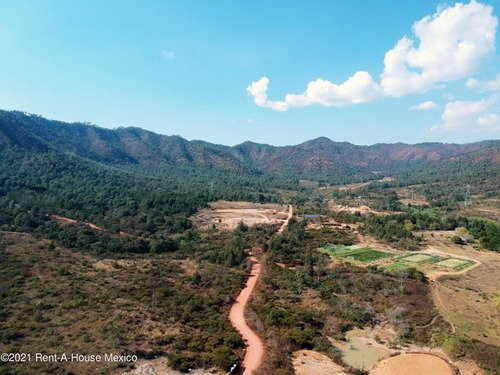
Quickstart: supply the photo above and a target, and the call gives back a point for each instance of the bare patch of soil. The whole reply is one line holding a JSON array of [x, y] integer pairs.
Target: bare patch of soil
[[310, 362], [160, 366], [414, 364], [358, 185], [227, 215], [335, 206], [468, 367]]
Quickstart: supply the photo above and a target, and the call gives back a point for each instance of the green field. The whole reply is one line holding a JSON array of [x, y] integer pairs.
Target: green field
[[455, 263], [355, 253], [417, 258], [366, 255], [420, 258], [396, 266], [335, 250]]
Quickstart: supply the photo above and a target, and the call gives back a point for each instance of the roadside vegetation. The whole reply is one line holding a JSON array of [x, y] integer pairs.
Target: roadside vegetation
[[174, 304], [306, 300]]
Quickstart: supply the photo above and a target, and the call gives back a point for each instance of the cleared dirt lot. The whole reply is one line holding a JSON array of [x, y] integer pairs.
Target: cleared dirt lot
[[363, 209], [225, 215], [309, 362], [413, 364]]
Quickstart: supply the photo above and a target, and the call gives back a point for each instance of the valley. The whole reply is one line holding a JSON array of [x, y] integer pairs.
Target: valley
[[321, 257]]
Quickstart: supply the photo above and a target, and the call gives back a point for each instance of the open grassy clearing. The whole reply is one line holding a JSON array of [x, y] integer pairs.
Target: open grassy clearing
[[416, 258], [396, 266], [334, 250], [357, 254]]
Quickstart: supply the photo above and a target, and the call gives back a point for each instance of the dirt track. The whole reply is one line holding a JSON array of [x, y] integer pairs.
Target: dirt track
[[290, 215], [255, 348]]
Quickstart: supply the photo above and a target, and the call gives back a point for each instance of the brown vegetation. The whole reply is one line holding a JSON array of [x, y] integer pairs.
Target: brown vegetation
[[55, 300]]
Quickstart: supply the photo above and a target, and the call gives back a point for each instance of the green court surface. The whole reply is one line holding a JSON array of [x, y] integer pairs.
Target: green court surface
[[417, 258], [455, 263]]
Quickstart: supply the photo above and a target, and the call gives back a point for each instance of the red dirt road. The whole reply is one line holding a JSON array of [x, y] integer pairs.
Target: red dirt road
[[254, 346]]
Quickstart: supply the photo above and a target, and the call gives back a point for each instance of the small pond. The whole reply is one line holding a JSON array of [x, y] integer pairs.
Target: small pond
[[356, 353]]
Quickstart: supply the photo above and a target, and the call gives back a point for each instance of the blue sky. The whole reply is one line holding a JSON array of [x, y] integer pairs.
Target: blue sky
[[365, 72]]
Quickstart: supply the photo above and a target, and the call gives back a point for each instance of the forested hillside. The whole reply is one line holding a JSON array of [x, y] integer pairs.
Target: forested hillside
[[89, 208], [145, 184], [321, 159]]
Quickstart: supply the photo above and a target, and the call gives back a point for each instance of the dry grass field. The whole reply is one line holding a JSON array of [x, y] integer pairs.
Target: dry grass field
[[468, 300], [489, 208]]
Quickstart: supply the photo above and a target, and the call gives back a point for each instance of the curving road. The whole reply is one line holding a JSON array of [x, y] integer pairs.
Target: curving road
[[254, 346], [253, 343]]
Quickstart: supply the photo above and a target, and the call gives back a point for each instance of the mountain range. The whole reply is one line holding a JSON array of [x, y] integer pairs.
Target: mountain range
[[318, 159]]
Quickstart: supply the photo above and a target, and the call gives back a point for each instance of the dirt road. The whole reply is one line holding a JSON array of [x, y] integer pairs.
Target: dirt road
[[290, 215], [254, 346]]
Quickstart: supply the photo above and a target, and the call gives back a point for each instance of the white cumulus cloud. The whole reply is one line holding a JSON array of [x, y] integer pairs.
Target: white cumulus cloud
[[360, 88], [449, 46], [478, 115], [484, 86], [425, 105]]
